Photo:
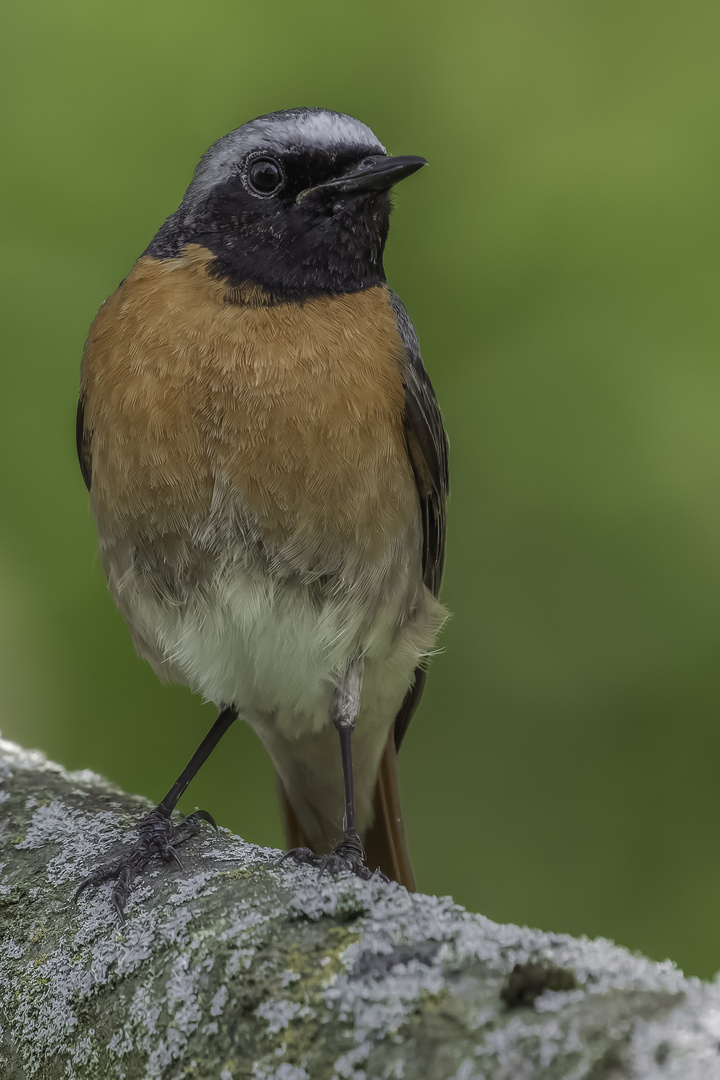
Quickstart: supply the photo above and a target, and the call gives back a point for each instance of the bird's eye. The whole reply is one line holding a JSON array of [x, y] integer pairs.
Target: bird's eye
[[264, 176]]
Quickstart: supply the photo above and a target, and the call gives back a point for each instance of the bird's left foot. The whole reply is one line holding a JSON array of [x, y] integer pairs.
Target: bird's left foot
[[348, 855]]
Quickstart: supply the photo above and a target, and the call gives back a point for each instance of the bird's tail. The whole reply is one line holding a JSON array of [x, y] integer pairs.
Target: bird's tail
[[384, 841]]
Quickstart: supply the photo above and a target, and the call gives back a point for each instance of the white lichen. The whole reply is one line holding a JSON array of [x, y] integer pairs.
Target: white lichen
[[279, 952]]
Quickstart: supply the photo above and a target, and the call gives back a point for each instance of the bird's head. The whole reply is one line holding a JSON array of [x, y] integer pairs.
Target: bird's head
[[296, 201]]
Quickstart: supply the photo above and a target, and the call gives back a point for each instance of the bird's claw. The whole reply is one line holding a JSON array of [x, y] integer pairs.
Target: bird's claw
[[348, 856], [157, 836]]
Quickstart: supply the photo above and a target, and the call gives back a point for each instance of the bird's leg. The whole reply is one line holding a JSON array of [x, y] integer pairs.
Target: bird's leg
[[349, 853], [158, 835]]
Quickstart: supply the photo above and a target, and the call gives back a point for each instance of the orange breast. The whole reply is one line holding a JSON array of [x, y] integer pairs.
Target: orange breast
[[295, 409]]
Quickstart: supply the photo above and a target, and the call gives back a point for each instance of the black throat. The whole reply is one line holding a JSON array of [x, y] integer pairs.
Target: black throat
[[324, 245]]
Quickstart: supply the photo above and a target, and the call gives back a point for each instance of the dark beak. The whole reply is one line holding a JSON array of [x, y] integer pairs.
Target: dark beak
[[376, 173]]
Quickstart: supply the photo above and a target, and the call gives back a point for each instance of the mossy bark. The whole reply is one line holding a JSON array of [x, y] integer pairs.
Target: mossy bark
[[239, 967]]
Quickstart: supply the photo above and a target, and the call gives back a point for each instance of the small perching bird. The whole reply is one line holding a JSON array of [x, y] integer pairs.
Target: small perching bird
[[267, 469]]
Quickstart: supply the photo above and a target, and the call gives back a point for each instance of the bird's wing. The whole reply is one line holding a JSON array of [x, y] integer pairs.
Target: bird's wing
[[82, 440], [428, 448]]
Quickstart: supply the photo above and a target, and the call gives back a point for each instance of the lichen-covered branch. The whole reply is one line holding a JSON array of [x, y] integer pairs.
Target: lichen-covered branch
[[239, 967]]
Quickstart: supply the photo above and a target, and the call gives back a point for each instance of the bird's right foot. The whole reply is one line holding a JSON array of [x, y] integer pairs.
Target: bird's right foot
[[158, 837]]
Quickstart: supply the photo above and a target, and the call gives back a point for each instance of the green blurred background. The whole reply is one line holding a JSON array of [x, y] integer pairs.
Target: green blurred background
[[560, 258]]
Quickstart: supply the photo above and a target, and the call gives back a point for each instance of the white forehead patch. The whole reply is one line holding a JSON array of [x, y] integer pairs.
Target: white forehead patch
[[297, 129], [321, 129]]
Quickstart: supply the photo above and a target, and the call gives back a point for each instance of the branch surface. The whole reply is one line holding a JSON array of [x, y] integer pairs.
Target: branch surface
[[238, 967]]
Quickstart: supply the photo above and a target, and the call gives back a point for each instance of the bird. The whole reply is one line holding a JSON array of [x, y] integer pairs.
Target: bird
[[267, 468]]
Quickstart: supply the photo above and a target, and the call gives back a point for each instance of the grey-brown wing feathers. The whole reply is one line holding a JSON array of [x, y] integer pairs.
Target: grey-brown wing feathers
[[428, 449], [82, 442]]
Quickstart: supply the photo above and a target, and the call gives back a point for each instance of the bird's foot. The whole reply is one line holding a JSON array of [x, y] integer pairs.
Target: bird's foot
[[348, 855], [158, 837]]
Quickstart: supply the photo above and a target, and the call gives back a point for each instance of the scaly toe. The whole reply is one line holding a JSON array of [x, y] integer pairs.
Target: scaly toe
[[337, 864], [302, 856]]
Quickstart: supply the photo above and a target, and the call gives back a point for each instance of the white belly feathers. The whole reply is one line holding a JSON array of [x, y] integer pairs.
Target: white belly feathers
[[278, 644]]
